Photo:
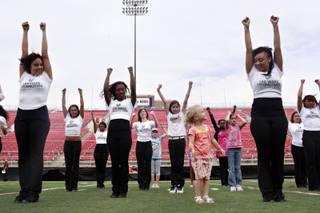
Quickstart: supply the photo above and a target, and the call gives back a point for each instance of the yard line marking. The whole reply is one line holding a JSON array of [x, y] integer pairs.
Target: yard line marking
[[51, 189]]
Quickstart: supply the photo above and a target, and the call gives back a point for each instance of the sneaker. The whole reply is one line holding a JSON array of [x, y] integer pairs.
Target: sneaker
[[156, 186], [19, 199], [208, 199], [172, 190], [153, 186], [114, 195], [180, 190], [233, 189], [239, 188], [198, 200], [191, 185]]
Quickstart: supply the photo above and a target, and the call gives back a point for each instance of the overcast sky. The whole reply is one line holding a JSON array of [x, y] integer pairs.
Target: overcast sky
[[177, 41]]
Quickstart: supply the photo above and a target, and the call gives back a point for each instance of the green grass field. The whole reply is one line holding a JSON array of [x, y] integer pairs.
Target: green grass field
[[89, 199]]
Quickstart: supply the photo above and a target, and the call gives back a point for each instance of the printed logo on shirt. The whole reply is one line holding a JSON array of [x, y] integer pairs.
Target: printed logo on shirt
[[313, 115], [72, 124], [175, 119], [267, 84], [31, 85], [119, 108]]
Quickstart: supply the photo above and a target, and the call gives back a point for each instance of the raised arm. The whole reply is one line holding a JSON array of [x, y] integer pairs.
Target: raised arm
[[156, 121], [243, 121], [106, 92], [133, 115], [81, 103], [247, 39], [94, 123], [186, 98], [64, 108], [317, 81], [213, 121], [24, 46], [300, 92], [1, 94], [44, 51], [165, 105], [132, 86], [276, 42]]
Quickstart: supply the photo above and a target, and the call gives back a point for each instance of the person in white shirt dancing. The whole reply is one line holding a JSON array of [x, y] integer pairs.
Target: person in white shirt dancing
[[309, 109], [32, 120]]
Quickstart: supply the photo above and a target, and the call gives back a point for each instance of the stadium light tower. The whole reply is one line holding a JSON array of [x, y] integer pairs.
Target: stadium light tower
[[135, 8]]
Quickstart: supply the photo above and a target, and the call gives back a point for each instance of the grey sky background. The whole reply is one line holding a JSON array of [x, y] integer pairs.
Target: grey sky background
[[177, 41]]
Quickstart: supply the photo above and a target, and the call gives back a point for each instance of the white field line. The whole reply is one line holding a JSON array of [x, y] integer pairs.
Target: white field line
[[286, 191], [51, 189]]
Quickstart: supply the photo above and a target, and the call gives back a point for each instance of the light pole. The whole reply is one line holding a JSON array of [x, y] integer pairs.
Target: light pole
[[135, 8]]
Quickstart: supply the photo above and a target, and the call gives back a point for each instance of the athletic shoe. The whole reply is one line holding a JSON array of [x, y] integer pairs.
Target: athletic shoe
[[233, 189], [208, 199], [180, 190], [157, 186], [239, 188], [198, 200], [173, 190], [114, 195]]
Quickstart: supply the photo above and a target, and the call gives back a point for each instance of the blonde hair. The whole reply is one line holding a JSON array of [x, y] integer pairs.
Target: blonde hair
[[191, 112]]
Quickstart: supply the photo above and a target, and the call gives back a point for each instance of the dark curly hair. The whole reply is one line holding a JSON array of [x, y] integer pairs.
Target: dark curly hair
[[268, 51], [310, 97], [103, 123], [27, 61], [3, 113], [112, 89]]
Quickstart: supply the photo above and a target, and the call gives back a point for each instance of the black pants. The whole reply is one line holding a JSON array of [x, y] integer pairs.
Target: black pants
[[31, 130], [101, 154], [269, 128], [177, 151], [72, 150], [119, 144], [223, 166], [311, 144], [299, 166], [144, 155]]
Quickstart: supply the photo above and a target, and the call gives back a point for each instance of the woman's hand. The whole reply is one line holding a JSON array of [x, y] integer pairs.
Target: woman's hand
[[25, 26]]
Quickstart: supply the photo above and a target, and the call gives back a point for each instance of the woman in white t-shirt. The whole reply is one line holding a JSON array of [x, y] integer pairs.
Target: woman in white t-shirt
[[101, 151], [269, 123], [177, 143], [144, 128], [119, 130], [32, 120], [73, 118], [296, 129], [309, 110]]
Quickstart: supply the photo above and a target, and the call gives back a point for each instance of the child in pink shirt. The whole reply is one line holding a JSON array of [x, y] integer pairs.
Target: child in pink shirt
[[201, 144], [234, 145]]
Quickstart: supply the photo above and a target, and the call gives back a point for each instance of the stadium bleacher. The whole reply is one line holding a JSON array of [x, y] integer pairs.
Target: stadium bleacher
[[55, 140]]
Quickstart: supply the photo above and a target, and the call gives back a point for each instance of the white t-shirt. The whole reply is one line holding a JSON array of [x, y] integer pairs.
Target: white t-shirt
[[143, 130], [266, 86], [311, 118], [176, 125], [101, 137], [73, 125], [296, 131], [120, 109], [34, 90], [3, 123]]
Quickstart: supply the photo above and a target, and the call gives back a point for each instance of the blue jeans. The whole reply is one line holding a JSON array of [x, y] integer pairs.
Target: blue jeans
[[234, 159]]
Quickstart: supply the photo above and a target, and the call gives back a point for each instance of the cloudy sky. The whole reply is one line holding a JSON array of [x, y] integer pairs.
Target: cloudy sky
[[177, 41]]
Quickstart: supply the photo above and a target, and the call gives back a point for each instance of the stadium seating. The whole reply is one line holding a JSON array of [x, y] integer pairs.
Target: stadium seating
[[55, 139]]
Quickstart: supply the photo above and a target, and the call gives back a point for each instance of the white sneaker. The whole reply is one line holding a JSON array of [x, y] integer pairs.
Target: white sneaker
[[172, 190], [239, 188], [198, 200], [156, 186], [180, 190], [233, 189], [208, 199], [153, 185]]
